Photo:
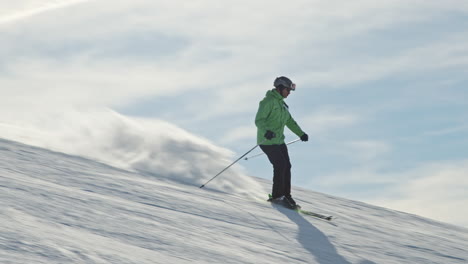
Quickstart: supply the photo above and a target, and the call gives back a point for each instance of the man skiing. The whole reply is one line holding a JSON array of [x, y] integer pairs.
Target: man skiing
[[272, 116]]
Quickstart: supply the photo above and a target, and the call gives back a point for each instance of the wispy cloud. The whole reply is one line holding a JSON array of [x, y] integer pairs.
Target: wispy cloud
[[209, 58], [326, 119], [436, 190], [239, 133], [448, 131], [17, 10]]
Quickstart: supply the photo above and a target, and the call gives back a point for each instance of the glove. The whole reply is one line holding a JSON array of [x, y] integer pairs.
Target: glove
[[305, 137], [269, 135]]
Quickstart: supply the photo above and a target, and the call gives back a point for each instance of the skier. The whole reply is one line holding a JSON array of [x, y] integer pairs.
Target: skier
[[272, 116]]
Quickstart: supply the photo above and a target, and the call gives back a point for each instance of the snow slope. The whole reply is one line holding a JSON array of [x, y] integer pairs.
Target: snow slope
[[58, 208]]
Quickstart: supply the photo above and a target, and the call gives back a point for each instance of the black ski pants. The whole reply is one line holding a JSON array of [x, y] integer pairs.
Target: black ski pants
[[279, 158]]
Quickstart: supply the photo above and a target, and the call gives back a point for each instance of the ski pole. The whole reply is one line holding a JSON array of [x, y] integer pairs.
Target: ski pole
[[259, 154], [232, 164]]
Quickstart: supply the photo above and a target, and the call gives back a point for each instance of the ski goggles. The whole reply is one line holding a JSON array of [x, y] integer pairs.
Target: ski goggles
[[292, 88]]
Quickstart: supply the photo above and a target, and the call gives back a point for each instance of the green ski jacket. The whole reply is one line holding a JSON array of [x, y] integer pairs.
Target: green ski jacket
[[273, 114]]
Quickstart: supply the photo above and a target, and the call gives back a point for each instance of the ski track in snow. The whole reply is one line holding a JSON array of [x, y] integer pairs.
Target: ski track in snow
[[58, 208]]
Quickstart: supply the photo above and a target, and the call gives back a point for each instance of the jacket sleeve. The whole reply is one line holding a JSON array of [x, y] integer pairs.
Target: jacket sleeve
[[294, 127], [263, 113]]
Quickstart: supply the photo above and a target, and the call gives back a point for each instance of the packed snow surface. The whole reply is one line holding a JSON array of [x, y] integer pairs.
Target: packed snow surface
[[59, 208]]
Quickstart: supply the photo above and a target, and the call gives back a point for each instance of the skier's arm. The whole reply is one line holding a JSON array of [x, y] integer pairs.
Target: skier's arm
[[294, 127], [263, 113]]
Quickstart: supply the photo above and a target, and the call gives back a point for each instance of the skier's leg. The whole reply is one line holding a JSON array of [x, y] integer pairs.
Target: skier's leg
[[287, 170], [276, 158]]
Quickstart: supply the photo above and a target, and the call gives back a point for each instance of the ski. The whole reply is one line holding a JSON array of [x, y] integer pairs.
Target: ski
[[321, 216], [305, 212]]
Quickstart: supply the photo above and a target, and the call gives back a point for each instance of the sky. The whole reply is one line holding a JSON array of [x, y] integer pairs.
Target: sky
[[381, 87]]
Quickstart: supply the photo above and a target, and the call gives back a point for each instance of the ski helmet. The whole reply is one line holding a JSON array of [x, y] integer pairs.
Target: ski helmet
[[284, 82]]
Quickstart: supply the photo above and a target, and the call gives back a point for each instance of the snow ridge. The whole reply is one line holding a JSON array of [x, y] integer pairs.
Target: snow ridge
[[59, 208]]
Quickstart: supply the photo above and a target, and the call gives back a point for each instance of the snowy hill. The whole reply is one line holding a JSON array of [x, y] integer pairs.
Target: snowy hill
[[58, 208]]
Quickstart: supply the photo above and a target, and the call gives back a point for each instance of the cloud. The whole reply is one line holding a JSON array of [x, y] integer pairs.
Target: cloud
[[22, 9], [448, 131], [239, 133], [436, 190], [360, 163], [111, 55], [326, 119], [366, 150]]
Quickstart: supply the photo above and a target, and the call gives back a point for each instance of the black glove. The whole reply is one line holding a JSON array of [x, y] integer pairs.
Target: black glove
[[305, 137], [269, 135]]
